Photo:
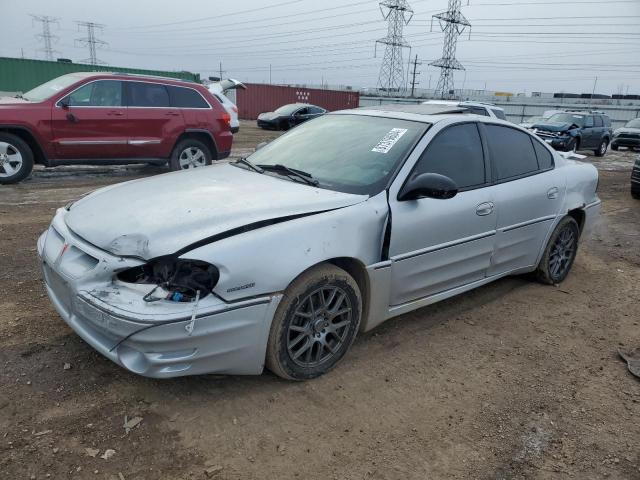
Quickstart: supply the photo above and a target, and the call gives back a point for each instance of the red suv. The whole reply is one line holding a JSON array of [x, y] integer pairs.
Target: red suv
[[111, 118]]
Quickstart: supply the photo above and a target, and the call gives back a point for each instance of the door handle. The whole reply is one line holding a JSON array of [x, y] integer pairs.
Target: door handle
[[484, 209], [552, 193], [116, 113]]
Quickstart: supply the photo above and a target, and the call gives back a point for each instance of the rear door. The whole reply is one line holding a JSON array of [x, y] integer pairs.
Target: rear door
[[154, 124], [528, 196], [91, 122], [589, 133]]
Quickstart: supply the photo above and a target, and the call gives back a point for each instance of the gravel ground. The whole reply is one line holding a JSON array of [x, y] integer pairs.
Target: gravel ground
[[514, 380]]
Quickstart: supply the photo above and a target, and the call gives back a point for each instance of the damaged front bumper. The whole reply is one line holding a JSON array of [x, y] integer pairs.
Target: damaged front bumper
[[150, 339]]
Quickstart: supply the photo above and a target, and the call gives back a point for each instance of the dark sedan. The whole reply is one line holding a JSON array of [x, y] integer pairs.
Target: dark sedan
[[289, 116]]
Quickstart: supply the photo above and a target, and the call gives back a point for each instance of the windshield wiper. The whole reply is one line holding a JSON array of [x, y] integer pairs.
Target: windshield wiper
[[304, 176], [251, 165]]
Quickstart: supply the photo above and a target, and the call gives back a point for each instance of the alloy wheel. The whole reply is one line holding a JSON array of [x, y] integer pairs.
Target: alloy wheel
[[192, 157], [562, 253], [10, 160], [603, 148], [320, 326]]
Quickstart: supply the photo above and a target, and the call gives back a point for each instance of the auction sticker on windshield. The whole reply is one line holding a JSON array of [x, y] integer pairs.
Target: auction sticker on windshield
[[389, 140]]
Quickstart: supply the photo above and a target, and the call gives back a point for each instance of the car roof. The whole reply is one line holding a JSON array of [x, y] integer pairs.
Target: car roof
[[429, 113], [130, 76]]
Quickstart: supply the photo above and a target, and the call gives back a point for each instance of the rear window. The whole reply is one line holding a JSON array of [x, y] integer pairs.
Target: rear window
[[545, 159], [186, 98], [512, 152], [148, 95], [598, 121], [499, 114]]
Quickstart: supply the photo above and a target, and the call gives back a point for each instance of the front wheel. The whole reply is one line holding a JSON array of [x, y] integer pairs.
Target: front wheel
[[602, 149], [614, 147], [635, 193], [190, 153], [315, 323], [16, 159], [560, 252]]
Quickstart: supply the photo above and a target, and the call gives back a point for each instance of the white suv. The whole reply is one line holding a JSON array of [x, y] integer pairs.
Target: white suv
[[218, 90], [478, 108]]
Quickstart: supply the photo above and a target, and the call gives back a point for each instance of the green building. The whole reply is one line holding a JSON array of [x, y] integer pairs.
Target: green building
[[22, 74]]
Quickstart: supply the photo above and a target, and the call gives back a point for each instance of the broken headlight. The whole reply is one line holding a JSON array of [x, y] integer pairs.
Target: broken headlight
[[174, 279]]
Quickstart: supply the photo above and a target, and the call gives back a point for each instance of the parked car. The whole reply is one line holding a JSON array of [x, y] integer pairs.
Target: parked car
[[288, 116], [107, 118], [477, 108], [219, 89], [572, 131], [635, 179], [627, 136], [331, 229]]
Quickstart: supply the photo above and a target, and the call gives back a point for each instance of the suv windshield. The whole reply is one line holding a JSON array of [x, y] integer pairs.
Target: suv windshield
[[49, 89], [567, 118], [635, 123], [348, 153]]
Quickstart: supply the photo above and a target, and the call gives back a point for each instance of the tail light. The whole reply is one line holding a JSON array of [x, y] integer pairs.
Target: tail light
[[226, 119]]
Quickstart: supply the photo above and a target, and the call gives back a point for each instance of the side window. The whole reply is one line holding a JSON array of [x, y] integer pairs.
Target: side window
[[607, 121], [302, 111], [545, 159], [187, 98], [148, 95], [598, 121], [499, 114], [101, 93], [588, 121], [316, 110], [512, 152], [457, 153]]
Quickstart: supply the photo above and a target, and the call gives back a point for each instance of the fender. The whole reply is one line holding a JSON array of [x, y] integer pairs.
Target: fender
[[40, 157]]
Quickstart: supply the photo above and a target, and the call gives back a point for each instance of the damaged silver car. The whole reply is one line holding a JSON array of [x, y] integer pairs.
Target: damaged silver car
[[281, 258]]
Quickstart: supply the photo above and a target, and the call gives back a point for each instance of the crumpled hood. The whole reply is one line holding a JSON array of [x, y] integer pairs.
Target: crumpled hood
[[554, 127], [160, 215]]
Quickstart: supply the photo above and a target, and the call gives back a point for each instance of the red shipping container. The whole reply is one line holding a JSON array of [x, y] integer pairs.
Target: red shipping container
[[259, 98]]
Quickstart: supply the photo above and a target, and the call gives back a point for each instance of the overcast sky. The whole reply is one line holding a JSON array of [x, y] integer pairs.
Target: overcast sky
[[515, 45]]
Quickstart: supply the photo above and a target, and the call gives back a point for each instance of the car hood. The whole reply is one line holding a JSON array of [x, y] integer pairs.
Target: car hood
[[268, 116], [628, 130], [13, 101], [555, 127], [161, 215]]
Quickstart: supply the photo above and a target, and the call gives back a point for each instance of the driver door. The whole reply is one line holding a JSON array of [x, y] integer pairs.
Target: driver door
[[91, 122], [437, 245]]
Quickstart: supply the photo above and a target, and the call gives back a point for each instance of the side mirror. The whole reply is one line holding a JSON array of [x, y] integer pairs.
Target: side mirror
[[428, 185], [64, 103], [260, 145]]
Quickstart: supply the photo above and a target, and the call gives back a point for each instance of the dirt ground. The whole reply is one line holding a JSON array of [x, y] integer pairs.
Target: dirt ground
[[515, 380]]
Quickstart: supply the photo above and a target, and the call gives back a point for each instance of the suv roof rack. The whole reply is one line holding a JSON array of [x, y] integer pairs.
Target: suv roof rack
[[159, 77]]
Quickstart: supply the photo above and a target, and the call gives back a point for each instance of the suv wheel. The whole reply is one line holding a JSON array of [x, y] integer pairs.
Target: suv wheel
[[614, 147], [190, 153], [602, 149], [16, 159]]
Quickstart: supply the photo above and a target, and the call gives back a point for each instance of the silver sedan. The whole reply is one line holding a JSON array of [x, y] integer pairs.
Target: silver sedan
[[280, 259]]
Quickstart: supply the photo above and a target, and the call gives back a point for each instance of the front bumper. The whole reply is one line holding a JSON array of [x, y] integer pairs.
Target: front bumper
[[558, 143], [630, 142], [151, 339]]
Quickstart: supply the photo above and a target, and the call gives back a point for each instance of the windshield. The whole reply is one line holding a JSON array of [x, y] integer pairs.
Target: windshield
[[535, 119], [49, 89], [567, 118], [635, 123], [348, 153], [288, 109]]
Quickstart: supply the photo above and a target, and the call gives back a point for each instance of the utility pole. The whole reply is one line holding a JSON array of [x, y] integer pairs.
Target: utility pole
[[593, 92], [269, 74], [46, 37], [452, 23], [91, 41], [397, 13], [413, 81], [221, 71]]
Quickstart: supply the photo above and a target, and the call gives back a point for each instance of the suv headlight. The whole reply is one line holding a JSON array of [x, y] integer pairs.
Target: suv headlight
[[178, 280]]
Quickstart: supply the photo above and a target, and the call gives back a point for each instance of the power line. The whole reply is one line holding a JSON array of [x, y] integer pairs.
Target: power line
[[398, 14], [91, 41], [452, 23], [46, 36]]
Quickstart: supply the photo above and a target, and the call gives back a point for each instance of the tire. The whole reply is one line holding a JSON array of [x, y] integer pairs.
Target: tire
[[188, 154], [614, 147], [302, 345], [600, 152], [549, 271], [635, 193], [16, 159]]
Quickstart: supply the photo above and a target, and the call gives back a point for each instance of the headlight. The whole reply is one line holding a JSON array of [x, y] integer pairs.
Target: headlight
[[174, 279]]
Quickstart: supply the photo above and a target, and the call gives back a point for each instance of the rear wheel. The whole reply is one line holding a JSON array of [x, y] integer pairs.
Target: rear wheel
[[190, 153], [16, 159], [602, 149], [315, 323], [560, 252], [635, 193], [614, 147]]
